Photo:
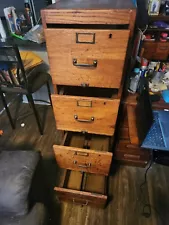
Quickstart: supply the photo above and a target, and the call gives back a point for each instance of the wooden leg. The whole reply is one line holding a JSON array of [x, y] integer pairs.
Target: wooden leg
[[7, 110], [30, 99]]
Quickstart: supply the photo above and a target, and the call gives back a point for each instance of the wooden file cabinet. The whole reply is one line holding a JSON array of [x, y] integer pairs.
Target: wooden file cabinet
[[87, 44]]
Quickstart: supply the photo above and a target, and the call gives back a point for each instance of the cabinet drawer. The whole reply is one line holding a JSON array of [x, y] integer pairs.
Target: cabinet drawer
[[131, 154], [91, 57], [85, 114], [95, 159], [83, 189], [79, 185]]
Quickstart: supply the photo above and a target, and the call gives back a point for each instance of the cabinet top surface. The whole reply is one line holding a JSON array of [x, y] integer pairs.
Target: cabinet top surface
[[92, 4]]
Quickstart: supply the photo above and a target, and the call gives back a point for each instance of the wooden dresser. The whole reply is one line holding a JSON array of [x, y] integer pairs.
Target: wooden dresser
[[130, 133], [87, 44]]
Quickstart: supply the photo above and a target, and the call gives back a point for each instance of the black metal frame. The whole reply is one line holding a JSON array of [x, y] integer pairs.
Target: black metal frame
[[22, 85]]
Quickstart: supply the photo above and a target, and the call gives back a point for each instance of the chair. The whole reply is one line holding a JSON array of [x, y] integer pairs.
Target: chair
[[20, 82]]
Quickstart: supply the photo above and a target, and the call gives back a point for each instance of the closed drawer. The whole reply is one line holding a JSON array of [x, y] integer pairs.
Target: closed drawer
[[85, 114], [91, 57], [131, 154], [95, 159]]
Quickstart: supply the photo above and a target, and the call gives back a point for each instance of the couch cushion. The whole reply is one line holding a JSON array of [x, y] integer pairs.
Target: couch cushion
[[16, 172], [37, 216]]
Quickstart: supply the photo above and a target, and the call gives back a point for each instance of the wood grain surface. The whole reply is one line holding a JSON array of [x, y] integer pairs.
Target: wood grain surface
[[109, 50], [81, 198], [73, 16], [104, 112], [83, 160]]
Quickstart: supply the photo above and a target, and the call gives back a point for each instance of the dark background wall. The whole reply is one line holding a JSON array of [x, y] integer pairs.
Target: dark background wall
[[19, 5]]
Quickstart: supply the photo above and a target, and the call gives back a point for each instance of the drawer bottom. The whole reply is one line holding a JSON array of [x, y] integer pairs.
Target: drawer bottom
[[83, 188]]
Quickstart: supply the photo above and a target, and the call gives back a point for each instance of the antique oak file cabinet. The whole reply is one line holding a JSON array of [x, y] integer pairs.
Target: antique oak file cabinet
[[87, 43]]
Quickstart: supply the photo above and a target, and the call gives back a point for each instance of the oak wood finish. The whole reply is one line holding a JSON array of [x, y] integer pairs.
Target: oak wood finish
[[91, 186], [89, 12], [109, 49], [81, 198], [80, 159], [87, 42], [104, 112]]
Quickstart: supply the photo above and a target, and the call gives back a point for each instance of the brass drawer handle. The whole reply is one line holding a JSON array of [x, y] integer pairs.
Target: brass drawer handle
[[84, 64], [81, 153], [88, 165], [76, 202], [84, 120]]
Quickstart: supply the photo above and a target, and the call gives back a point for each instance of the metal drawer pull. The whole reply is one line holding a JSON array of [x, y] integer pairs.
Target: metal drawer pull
[[88, 165], [84, 204], [81, 153], [84, 64], [84, 120], [85, 166]]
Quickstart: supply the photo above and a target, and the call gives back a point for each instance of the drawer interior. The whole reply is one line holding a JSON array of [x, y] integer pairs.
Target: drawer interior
[[86, 182], [88, 91], [87, 141]]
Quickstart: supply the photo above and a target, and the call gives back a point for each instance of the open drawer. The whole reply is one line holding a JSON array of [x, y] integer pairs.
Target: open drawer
[[83, 188], [87, 153], [86, 162]]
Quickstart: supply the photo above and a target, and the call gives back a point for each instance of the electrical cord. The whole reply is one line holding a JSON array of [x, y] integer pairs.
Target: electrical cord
[[147, 207]]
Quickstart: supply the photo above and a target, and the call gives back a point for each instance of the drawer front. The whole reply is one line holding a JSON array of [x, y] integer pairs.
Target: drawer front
[[83, 160], [81, 197], [85, 114], [87, 57], [128, 151], [131, 161], [131, 155]]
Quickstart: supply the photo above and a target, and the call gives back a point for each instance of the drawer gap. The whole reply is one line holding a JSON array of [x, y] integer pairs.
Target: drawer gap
[[88, 141], [88, 91], [89, 26]]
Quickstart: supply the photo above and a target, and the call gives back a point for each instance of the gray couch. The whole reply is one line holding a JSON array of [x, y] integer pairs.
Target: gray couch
[[20, 190]]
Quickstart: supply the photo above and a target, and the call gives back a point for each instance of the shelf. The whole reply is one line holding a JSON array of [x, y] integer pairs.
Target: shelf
[[159, 17], [157, 29]]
